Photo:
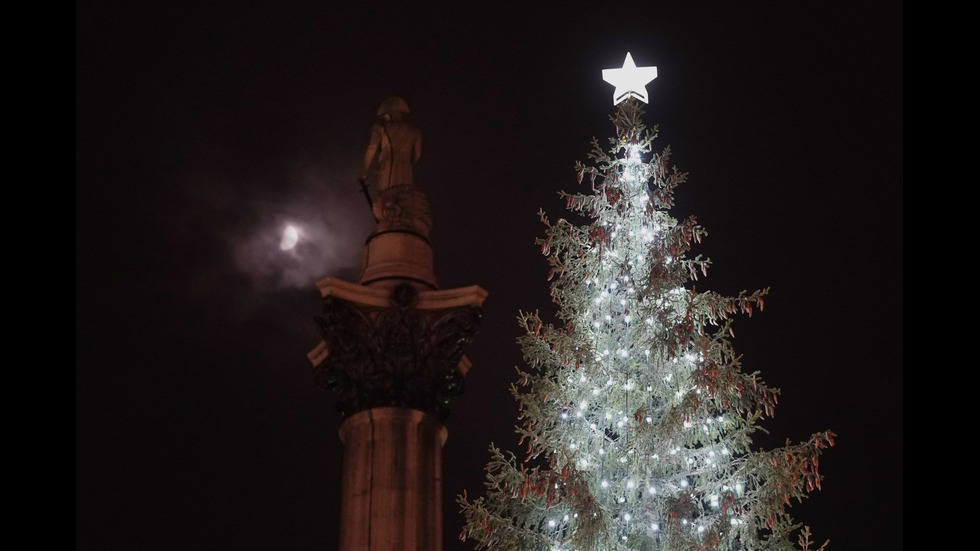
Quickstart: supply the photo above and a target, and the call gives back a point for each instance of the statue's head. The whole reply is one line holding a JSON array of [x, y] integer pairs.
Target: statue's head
[[394, 107]]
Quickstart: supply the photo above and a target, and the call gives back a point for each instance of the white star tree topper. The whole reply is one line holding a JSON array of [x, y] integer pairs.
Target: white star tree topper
[[630, 80]]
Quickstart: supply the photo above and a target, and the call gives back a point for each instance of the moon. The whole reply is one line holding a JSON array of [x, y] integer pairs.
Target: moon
[[290, 235]]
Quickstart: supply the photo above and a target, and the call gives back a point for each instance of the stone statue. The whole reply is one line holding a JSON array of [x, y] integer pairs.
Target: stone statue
[[393, 149]]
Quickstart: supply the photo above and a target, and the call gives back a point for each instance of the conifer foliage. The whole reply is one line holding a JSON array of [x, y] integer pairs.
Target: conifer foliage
[[636, 418]]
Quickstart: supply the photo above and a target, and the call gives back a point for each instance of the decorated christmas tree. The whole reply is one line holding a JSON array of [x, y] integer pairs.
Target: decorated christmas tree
[[636, 417]]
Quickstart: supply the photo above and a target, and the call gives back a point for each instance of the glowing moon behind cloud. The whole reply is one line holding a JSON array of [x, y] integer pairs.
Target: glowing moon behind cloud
[[290, 236]]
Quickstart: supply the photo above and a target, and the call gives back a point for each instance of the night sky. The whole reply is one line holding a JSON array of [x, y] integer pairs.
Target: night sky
[[202, 128]]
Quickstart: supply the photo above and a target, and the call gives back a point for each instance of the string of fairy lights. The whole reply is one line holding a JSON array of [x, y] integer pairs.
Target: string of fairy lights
[[626, 377]]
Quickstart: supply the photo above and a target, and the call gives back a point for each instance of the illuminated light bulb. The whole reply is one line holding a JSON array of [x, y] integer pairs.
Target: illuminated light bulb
[[700, 529], [684, 483], [623, 353], [578, 414], [629, 484], [608, 416], [627, 517], [605, 484], [595, 391], [627, 319], [608, 317], [564, 415], [655, 527], [584, 404], [649, 419], [551, 523], [613, 285], [724, 451], [592, 426], [622, 500], [652, 490], [565, 518]]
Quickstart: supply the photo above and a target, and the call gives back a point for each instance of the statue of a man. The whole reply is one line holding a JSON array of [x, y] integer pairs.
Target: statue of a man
[[394, 147]]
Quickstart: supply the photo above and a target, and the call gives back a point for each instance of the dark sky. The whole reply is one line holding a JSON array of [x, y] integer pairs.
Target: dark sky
[[201, 128]]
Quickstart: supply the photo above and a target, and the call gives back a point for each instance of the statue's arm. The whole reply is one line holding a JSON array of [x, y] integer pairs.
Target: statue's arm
[[417, 148], [372, 150]]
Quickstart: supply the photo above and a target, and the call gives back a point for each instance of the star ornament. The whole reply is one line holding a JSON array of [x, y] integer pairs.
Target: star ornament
[[630, 80]]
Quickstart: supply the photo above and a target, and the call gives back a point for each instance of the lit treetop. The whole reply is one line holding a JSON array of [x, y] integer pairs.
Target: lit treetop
[[635, 411]]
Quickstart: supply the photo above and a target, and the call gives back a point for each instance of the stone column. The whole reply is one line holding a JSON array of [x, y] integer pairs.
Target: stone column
[[392, 480], [393, 355]]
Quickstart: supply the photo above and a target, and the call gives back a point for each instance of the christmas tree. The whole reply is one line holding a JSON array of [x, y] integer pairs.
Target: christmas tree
[[636, 416]]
